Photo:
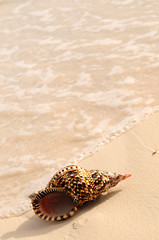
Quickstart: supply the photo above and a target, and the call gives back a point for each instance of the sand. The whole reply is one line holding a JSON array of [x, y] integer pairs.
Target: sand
[[128, 211]]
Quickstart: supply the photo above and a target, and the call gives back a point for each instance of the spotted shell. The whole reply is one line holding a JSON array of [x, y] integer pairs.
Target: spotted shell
[[70, 188]]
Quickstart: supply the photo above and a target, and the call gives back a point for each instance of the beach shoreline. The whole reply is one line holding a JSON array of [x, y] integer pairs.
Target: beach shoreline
[[74, 76], [128, 211]]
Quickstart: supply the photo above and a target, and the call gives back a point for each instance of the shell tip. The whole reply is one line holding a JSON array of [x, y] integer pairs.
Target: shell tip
[[127, 175]]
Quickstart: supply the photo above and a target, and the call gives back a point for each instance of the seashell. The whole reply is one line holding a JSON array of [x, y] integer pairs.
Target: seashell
[[70, 188]]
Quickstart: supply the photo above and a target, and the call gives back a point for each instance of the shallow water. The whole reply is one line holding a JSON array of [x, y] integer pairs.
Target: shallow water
[[74, 75]]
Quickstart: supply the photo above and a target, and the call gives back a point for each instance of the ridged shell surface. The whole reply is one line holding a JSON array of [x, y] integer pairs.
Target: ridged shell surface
[[77, 186]]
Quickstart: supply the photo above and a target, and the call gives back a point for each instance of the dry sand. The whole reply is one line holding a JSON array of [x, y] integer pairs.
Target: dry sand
[[129, 211]]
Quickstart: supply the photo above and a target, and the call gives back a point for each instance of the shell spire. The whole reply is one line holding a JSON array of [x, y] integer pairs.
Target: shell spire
[[70, 188], [115, 178]]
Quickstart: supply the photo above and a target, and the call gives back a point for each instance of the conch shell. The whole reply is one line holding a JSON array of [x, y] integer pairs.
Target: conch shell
[[70, 188]]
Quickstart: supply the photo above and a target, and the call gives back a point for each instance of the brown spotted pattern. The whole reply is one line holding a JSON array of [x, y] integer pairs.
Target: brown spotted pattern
[[80, 184]]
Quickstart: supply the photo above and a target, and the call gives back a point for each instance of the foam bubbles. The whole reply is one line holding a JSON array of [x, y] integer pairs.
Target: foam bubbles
[[127, 80]]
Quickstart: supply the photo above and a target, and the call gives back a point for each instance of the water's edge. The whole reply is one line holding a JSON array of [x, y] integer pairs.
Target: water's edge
[[26, 206]]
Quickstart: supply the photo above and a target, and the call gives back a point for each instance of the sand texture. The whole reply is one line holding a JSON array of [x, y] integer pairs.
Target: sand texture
[[129, 211]]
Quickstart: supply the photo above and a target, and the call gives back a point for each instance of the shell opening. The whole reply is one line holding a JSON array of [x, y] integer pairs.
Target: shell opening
[[53, 204]]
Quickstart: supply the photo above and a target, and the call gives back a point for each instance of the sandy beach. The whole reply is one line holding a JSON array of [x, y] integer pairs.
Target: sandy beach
[[129, 211]]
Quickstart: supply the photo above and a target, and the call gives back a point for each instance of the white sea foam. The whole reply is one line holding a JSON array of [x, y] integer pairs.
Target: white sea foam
[[72, 79], [127, 80], [115, 70], [20, 7], [84, 80]]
